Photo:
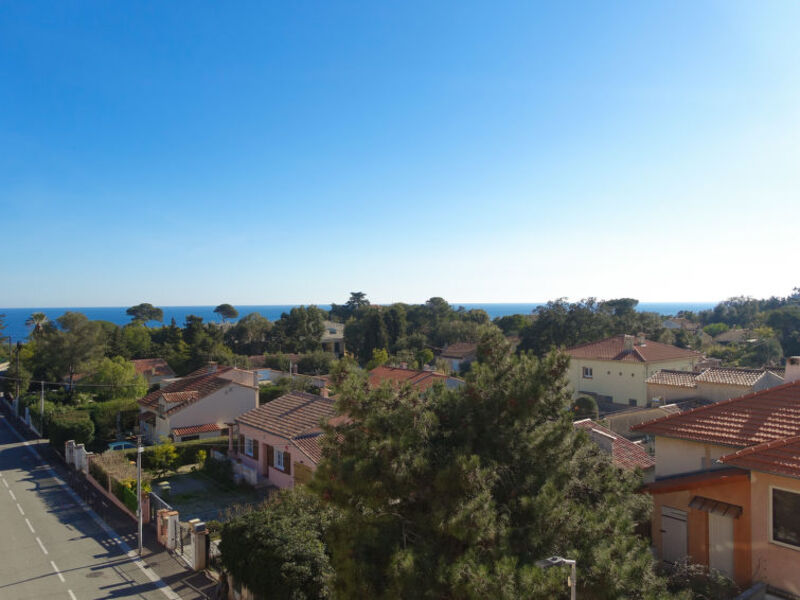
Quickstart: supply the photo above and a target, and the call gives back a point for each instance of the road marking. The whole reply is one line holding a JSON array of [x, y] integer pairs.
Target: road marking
[[131, 554], [5, 483], [71, 595], [13, 497], [29, 525], [41, 545], [60, 576], [22, 512]]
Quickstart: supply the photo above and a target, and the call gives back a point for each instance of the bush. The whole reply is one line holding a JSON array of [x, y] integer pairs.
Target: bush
[[584, 407], [99, 474], [125, 491], [219, 470], [188, 453], [74, 425], [708, 584]]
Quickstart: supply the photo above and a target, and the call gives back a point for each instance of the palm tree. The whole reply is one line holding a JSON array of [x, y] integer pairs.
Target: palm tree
[[37, 321]]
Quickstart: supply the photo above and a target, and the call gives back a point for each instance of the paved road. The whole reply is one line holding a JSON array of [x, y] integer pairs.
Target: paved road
[[50, 546]]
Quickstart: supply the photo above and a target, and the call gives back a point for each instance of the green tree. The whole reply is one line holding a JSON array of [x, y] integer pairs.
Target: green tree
[[226, 311], [458, 495], [36, 322], [299, 330], [136, 340], [164, 457], [70, 348], [278, 551], [379, 357], [117, 378], [714, 329], [584, 407], [145, 312], [250, 335]]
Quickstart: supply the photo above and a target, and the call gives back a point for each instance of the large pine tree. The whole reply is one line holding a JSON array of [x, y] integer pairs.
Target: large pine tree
[[457, 493]]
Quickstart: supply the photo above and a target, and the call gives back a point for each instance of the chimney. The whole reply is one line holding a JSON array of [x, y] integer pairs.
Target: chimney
[[255, 378], [403, 365], [627, 343], [212, 366], [792, 369], [323, 392]]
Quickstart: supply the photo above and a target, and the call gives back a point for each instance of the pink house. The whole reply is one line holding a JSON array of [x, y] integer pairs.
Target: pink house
[[278, 442]]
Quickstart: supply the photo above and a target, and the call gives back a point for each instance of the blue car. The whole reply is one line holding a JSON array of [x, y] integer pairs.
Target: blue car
[[120, 445]]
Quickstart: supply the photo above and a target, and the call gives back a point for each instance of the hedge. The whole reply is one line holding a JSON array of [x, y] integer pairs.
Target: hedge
[[187, 451], [74, 425]]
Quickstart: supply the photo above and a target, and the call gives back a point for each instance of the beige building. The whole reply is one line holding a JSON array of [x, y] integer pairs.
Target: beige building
[[616, 369], [198, 405], [711, 385]]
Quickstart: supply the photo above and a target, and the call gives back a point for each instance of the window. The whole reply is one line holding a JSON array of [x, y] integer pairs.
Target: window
[[587, 372], [248, 446], [279, 460], [786, 517]]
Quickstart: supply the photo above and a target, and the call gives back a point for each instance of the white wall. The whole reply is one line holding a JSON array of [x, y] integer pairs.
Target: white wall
[[223, 406], [674, 456]]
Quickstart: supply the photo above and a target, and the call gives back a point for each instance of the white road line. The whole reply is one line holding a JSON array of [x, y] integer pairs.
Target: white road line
[[13, 497], [41, 545], [29, 525], [71, 595], [5, 483], [131, 554], [22, 512], [60, 576]]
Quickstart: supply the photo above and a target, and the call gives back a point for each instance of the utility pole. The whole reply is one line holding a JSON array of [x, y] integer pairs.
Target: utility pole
[[139, 451], [41, 410], [19, 349]]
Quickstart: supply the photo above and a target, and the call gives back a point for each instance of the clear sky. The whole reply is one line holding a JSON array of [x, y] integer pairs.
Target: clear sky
[[257, 153]]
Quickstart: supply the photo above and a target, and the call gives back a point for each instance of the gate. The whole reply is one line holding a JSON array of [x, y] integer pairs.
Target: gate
[[184, 548], [156, 504]]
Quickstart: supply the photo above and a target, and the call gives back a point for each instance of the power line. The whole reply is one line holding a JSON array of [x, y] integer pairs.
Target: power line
[[63, 383]]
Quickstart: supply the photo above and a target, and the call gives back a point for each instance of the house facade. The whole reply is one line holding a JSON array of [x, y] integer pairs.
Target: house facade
[[460, 355], [154, 370], [278, 443], [616, 369], [727, 486], [333, 338], [198, 405]]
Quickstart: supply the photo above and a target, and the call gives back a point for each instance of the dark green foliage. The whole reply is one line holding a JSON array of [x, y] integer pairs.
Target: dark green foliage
[[125, 495], [250, 335], [277, 552], [584, 407], [70, 425], [219, 470], [186, 452], [315, 363], [714, 329], [145, 312], [226, 311], [703, 583], [458, 494], [284, 385], [299, 330], [99, 474]]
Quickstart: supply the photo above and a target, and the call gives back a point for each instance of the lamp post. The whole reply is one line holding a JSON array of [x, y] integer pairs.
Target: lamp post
[[139, 451], [556, 561]]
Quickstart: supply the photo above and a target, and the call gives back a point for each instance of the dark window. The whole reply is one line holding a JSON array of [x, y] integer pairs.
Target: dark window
[[631, 402], [189, 438], [786, 517]]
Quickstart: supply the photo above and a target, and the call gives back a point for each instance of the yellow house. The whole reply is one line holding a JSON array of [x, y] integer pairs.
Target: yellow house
[[616, 369]]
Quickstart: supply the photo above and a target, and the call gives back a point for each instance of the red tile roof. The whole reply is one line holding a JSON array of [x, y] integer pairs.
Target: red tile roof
[[781, 457], [460, 350], [290, 415], [756, 418], [191, 388], [193, 429], [422, 380], [624, 453], [613, 348], [310, 444], [685, 379], [153, 367]]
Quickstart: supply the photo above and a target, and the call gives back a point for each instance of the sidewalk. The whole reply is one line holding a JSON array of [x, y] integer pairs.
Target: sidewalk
[[187, 584]]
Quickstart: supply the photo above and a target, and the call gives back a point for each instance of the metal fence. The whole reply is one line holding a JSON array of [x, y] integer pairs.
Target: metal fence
[[156, 504]]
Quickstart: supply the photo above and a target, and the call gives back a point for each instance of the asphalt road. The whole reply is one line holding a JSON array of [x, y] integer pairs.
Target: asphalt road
[[50, 546]]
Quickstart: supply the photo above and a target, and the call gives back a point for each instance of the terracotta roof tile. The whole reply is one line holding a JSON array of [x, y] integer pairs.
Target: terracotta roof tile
[[460, 350], [153, 366], [745, 421], [191, 388], [731, 376], [422, 380], [685, 379], [781, 457], [193, 429], [613, 348], [310, 444], [290, 415], [624, 453]]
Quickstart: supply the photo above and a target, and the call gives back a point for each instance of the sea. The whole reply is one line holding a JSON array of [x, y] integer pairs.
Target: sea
[[17, 330]]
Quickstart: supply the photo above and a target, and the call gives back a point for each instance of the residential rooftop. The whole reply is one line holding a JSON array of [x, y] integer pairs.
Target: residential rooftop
[[630, 349]]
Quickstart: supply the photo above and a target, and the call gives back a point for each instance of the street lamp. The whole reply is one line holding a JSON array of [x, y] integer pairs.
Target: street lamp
[[557, 561]]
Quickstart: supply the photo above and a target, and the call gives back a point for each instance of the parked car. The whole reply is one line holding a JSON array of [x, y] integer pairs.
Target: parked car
[[120, 445]]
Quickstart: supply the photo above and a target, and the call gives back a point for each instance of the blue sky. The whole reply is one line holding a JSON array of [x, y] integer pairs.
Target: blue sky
[[194, 153]]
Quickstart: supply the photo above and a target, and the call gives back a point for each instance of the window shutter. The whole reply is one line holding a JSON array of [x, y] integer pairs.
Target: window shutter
[[287, 463], [240, 449], [255, 449], [270, 456]]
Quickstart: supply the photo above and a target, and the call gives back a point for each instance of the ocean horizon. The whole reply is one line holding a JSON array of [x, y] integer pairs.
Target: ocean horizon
[[17, 330]]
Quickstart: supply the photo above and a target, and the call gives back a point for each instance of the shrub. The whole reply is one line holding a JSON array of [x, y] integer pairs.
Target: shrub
[[219, 470], [584, 407], [73, 425]]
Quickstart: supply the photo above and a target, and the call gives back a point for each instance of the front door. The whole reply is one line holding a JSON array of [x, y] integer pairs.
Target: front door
[[720, 543], [673, 534]]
